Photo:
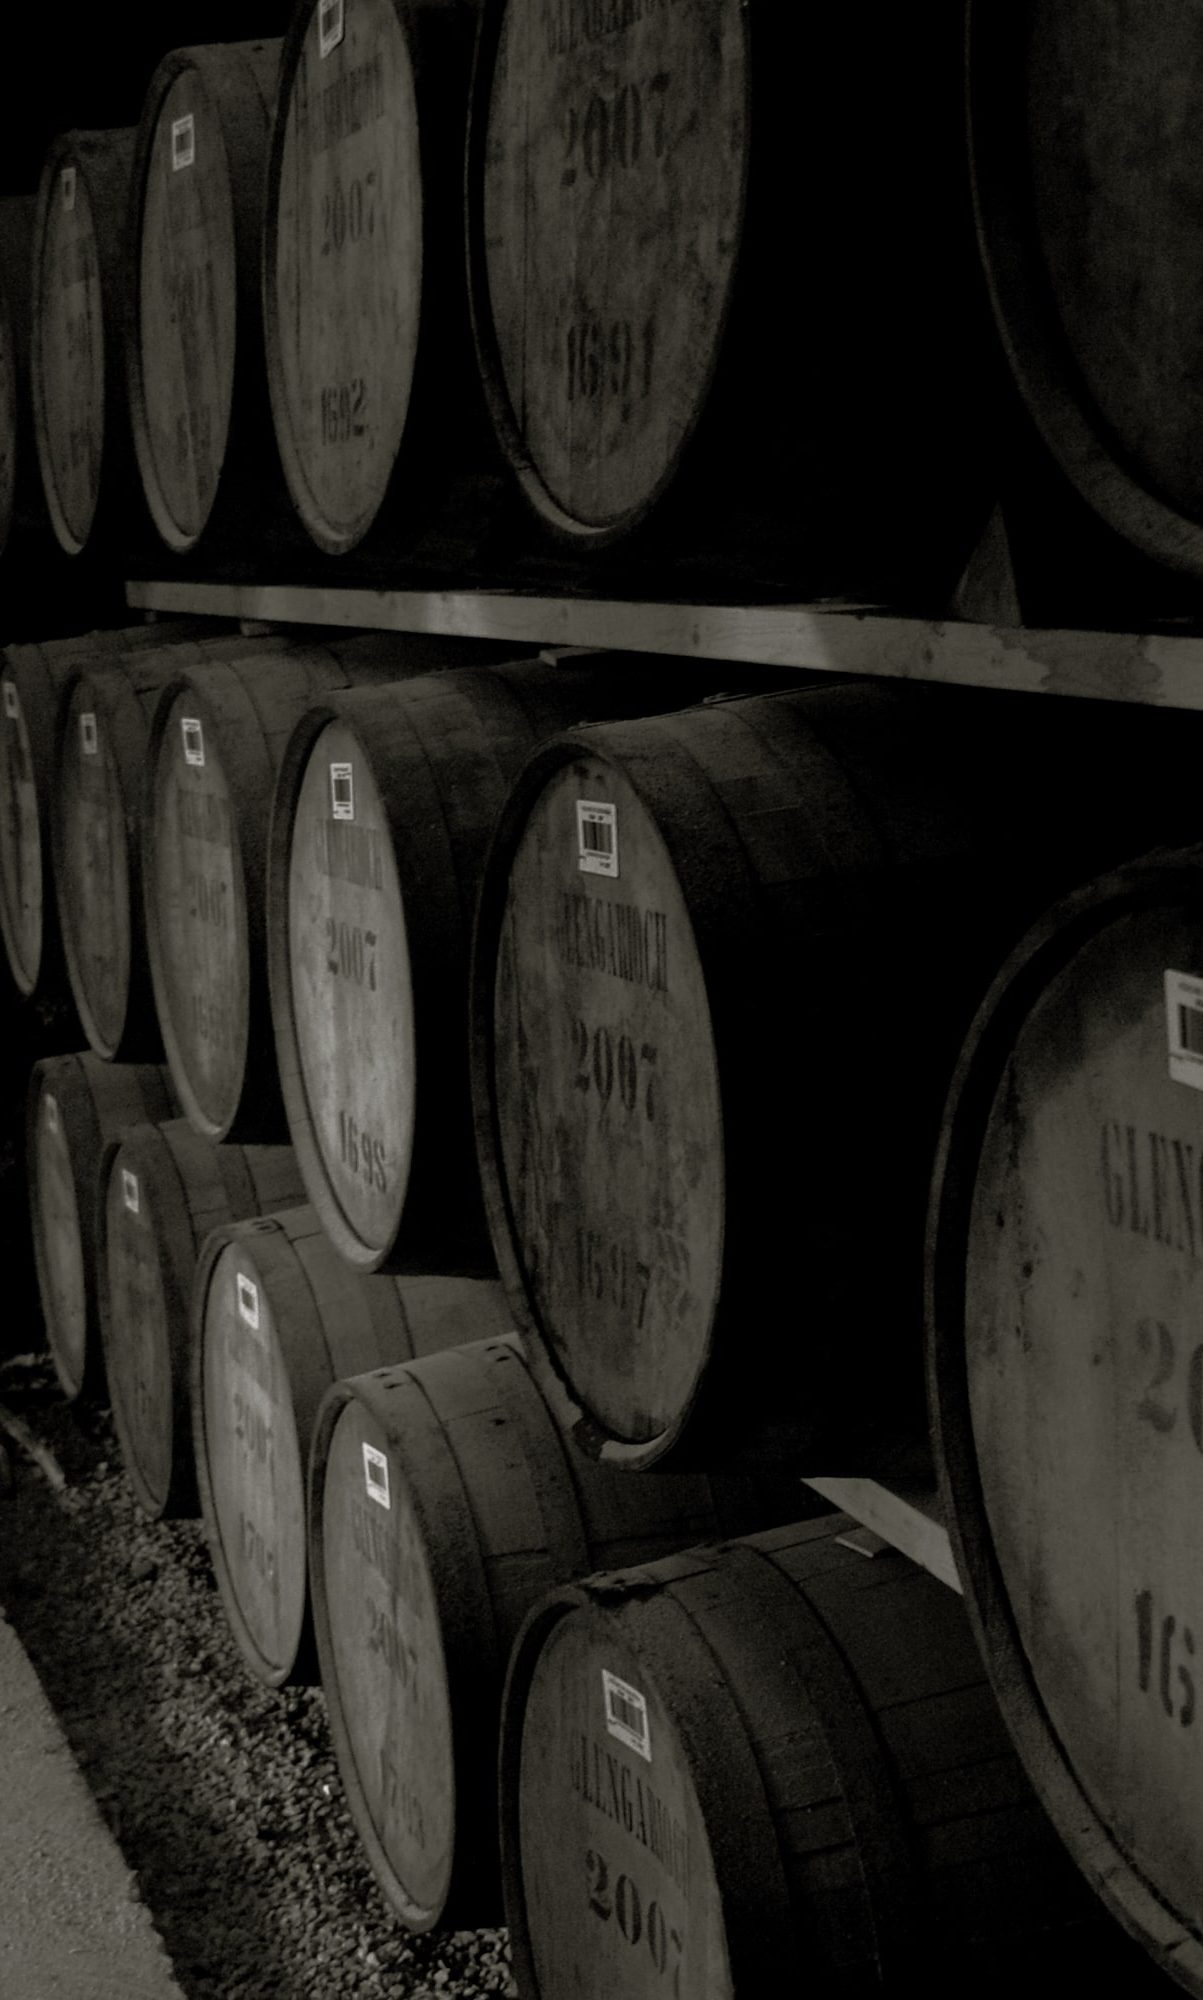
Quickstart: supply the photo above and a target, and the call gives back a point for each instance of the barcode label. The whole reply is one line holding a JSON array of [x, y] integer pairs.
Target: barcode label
[[183, 142], [67, 184], [1184, 1027], [12, 701], [329, 26], [626, 1714], [248, 1300], [129, 1190], [375, 1474], [50, 1106], [342, 791], [596, 837], [87, 733], [193, 738]]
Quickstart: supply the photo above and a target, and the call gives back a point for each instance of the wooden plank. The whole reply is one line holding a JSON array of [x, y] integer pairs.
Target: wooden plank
[[908, 1518], [1161, 669]]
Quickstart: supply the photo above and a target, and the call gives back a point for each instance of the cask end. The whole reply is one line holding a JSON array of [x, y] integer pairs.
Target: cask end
[[76, 1105], [363, 289], [16, 440], [677, 991], [102, 732], [215, 743], [1064, 1278], [80, 295], [385, 804], [772, 1762], [32, 678], [1086, 184], [443, 1502], [163, 1188], [277, 1318], [194, 346]]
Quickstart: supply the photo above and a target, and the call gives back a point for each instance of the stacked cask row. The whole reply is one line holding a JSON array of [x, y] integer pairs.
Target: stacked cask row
[[1065, 1253], [81, 419], [197, 376], [770, 1767], [211, 757], [365, 315], [77, 1105], [32, 678], [701, 1041], [443, 1504], [162, 1189], [385, 804], [277, 1318], [16, 238]]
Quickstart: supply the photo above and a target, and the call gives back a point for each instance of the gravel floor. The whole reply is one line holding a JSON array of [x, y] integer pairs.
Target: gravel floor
[[223, 1795]]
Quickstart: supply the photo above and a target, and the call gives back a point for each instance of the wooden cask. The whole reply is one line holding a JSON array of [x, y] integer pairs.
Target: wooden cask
[[777, 1767], [216, 740], [385, 804], [76, 1105], [1065, 1269], [635, 176], [364, 307], [16, 242], [694, 934], [102, 732], [443, 1503], [32, 678], [277, 1318], [162, 1189], [1087, 185], [194, 349], [81, 420]]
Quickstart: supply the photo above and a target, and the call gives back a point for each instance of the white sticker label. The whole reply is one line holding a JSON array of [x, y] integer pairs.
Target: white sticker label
[[50, 1105], [626, 1715], [1184, 1024], [330, 26], [183, 142], [342, 791], [87, 733], [193, 738], [12, 701], [67, 183], [597, 837], [248, 1300], [129, 1190], [375, 1474]]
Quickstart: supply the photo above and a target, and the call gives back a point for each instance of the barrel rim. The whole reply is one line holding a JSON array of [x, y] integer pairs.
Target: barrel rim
[[665, 1449], [1036, 347], [44, 1077], [192, 684], [301, 1663], [564, 527], [42, 752], [10, 419], [1050, 945]]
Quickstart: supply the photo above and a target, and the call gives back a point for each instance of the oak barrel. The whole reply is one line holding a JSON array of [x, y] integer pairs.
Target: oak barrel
[[776, 1767], [216, 740], [76, 1105], [162, 1189], [703, 1059], [102, 733], [32, 678], [1065, 1269], [277, 1318], [443, 1502], [1087, 185], [194, 346], [364, 308], [81, 419], [16, 239], [385, 803], [635, 177]]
